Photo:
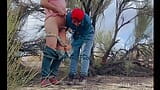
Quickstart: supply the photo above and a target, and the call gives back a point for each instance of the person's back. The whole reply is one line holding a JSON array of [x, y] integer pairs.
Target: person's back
[[58, 4]]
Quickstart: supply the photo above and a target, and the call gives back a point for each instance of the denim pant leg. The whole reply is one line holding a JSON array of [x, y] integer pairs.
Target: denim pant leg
[[54, 67], [45, 67], [85, 58], [74, 57], [49, 54]]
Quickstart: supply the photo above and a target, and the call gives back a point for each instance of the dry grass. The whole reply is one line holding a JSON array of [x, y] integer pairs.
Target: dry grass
[[16, 74]]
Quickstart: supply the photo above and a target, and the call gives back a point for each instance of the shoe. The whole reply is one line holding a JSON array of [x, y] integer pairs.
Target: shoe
[[53, 81], [45, 83], [82, 80], [72, 80]]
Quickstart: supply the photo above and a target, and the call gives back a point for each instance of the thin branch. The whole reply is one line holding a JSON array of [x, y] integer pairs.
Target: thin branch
[[133, 8], [42, 27], [84, 4], [121, 5], [122, 17], [129, 5], [89, 3], [31, 2], [116, 41], [88, 6], [127, 22], [99, 5]]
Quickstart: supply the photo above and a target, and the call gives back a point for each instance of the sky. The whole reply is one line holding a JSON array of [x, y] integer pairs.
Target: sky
[[107, 23]]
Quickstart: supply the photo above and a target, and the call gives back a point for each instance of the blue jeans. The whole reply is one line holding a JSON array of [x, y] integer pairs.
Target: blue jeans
[[85, 46], [50, 63]]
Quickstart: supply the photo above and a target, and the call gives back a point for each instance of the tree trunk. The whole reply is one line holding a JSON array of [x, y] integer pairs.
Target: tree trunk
[[92, 71], [105, 57]]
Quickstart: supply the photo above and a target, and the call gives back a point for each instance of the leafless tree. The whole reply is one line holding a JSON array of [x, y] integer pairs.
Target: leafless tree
[[121, 6]]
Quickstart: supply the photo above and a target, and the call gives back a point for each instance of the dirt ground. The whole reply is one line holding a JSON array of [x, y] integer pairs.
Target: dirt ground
[[96, 83], [100, 83]]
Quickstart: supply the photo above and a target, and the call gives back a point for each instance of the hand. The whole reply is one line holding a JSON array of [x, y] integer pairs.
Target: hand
[[61, 12], [67, 48]]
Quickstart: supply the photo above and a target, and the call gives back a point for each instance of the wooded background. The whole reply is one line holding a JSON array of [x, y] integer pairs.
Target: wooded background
[[137, 60]]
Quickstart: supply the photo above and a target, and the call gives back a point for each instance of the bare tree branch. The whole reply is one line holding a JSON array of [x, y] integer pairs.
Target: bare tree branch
[[84, 4], [127, 22], [88, 5], [134, 8]]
